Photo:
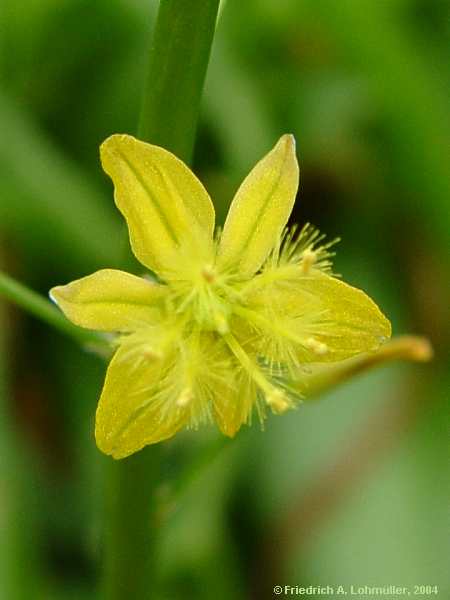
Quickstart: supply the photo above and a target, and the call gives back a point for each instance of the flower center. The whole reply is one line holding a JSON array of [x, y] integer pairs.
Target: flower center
[[212, 307], [205, 298]]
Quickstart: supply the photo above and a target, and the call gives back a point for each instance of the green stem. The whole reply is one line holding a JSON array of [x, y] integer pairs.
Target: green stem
[[179, 57], [40, 307], [328, 376], [131, 527]]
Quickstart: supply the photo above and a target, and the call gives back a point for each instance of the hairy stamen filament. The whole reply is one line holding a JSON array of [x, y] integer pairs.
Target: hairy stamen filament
[[274, 397], [274, 328]]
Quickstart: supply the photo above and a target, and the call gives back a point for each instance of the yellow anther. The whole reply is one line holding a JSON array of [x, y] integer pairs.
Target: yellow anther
[[185, 397], [317, 347], [151, 354], [309, 258], [208, 274], [276, 399], [221, 323]]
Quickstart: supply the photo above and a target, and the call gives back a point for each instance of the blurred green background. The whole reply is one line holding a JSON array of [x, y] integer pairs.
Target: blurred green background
[[349, 490]]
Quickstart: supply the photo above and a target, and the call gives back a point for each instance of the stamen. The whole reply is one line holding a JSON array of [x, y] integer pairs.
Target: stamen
[[185, 397], [309, 259], [303, 249], [317, 347], [221, 323], [151, 353], [276, 399], [208, 274]]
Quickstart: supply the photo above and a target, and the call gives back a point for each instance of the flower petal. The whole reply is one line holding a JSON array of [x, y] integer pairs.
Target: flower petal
[[324, 318], [233, 406], [133, 410], [260, 209], [167, 209], [109, 300]]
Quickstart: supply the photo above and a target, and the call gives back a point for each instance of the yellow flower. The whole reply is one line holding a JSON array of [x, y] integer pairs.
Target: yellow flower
[[229, 324]]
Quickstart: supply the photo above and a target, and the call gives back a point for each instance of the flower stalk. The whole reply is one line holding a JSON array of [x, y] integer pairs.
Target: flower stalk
[[178, 60], [405, 347]]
